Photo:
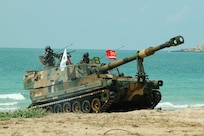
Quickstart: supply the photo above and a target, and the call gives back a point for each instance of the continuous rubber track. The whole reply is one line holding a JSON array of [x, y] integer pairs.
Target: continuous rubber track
[[88, 103], [93, 102], [156, 98]]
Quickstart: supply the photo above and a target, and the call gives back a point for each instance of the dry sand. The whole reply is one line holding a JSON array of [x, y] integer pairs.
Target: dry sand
[[183, 122]]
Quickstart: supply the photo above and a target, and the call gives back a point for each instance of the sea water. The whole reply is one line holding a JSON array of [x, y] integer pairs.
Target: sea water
[[181, 72]]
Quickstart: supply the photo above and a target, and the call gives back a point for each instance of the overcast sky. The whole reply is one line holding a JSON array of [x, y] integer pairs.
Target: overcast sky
[[104, 24]]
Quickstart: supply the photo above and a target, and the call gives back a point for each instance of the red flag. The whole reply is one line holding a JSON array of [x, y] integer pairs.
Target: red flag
[[69, 61], [111, 54]]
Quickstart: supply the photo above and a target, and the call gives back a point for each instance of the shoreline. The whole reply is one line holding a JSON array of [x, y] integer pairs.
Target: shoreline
[[188, 121]]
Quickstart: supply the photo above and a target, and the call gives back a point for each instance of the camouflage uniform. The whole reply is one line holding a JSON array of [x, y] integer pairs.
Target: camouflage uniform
[[85, 58], [49, 57]]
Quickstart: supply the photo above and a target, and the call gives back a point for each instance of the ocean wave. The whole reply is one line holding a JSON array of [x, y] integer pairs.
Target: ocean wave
[[169, 105], [8, 103], [8, 109], [13, 96]]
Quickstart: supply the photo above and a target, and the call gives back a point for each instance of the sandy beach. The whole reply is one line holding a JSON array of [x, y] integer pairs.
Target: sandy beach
[[182, 122]]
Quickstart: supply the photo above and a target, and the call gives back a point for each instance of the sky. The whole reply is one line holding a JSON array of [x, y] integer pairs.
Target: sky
[[100, 24]]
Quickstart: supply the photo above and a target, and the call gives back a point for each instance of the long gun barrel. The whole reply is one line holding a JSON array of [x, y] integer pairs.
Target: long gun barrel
[[175, 41]]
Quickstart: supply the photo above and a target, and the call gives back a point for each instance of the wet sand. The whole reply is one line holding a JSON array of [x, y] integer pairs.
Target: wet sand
[[182, 122]]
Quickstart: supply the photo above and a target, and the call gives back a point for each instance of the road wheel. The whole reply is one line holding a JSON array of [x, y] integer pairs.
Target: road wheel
[[57, 108], [67, 107], [86, 106], [76, 106], [49, 109], [96, 105]]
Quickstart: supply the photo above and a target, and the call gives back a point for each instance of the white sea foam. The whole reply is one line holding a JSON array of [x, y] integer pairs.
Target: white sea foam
[[13, 96], [168, 105], [8, 103], [8, 109]]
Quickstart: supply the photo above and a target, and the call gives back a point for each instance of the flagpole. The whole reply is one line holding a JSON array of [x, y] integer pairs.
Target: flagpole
[[119, 47]]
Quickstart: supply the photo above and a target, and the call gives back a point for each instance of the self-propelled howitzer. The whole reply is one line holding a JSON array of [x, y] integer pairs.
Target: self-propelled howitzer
[[93, 87]]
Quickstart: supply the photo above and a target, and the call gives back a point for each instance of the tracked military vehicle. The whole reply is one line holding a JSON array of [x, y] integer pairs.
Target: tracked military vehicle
[[93, 88]]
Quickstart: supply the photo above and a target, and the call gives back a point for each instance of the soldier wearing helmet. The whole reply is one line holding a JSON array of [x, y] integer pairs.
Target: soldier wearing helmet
[[49, 56], [48, 48], [85, 58]]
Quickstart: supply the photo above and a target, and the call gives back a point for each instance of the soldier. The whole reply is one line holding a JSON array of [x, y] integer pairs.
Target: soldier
[[48, 56], [85, 58]]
